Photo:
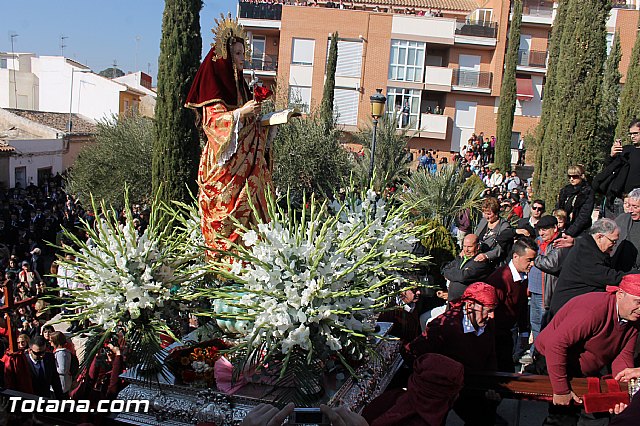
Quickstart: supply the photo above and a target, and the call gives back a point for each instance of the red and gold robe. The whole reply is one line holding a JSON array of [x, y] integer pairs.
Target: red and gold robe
[[234, 167]]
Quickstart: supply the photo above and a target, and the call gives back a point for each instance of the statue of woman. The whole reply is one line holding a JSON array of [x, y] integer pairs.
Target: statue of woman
[[235, 165]]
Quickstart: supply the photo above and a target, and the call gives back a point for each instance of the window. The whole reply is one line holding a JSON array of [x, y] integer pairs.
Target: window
[[482, 15], [302, 51], [3, 63], [405, 105], [346, 106], [349, 58], [258, 45], [610, 37], [20, 176], [300, 97], [407, 60]]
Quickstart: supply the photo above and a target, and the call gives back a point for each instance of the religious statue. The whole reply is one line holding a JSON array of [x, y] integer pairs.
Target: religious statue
[[235, 165]]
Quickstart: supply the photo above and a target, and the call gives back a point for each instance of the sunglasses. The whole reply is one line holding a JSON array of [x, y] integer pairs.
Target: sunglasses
[[537, 208], [573, 176], [634, 133], [38, 353], [612, 241]]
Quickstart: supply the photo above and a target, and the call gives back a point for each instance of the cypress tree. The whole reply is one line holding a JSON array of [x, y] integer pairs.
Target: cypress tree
[[177, 144], [570, 132], [549, 91], [629, 107], [610, 97], [508, 92], [326, 108]]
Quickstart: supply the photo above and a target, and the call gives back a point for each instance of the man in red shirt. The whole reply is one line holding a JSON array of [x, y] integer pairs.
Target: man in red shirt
[[510, 282], [590, 333]]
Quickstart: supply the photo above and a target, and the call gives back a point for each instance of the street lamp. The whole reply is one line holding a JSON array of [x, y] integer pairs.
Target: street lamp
[[70, 123], [378, 101]]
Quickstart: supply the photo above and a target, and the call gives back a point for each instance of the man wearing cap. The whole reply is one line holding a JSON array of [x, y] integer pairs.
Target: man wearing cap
[[465, 334], [590, 333], [543, 276]]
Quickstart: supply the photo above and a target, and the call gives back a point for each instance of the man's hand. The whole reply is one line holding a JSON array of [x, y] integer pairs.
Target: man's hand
[[564, 242], [566, 399], [481, 258], [267, 415], [492, 395], [628, 374], [442, 294], [616, 148], [343, 416], [522, 231], [618, 408]]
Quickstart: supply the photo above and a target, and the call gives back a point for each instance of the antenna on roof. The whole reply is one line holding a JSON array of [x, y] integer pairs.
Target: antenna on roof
[[13, 35], [114, 67], [62, 45]]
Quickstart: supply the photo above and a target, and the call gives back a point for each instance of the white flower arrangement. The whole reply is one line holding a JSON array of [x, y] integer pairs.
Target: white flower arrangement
[[316, 282]]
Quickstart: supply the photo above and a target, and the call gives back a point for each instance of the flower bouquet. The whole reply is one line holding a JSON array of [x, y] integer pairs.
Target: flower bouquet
[[302, 294]]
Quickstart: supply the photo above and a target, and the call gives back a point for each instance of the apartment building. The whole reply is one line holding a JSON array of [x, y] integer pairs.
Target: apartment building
[[439, 62]]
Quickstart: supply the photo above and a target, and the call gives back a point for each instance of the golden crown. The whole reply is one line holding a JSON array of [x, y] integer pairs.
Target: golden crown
[[227, 28]]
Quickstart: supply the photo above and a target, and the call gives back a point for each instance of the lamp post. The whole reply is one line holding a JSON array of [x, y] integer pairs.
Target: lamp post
[[70, 122], [378, 101]]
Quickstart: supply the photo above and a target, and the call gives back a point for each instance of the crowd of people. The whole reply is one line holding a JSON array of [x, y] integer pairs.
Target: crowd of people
[[557, 292]]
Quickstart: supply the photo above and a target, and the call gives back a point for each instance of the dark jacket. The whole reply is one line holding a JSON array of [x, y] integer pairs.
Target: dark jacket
[[20, 375], [578, 202], [550, 263], [625, 252], [461, 275], [586, 269], [497, 244]]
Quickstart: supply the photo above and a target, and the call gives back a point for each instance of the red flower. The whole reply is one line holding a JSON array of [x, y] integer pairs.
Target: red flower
[[260, 93]]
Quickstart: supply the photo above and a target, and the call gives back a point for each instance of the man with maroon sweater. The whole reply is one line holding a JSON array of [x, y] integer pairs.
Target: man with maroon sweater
[[590, 333], [510, 282], [464, 333]]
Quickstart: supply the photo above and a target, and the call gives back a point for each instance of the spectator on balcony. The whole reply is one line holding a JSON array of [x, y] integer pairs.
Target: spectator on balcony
[[438, 111]]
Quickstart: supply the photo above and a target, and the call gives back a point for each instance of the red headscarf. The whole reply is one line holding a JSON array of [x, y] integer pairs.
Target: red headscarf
[[215, 82], [482, 293], [431, 392], [630, 284]]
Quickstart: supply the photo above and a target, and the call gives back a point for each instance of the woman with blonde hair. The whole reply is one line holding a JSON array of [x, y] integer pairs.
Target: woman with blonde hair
[[577, 200]]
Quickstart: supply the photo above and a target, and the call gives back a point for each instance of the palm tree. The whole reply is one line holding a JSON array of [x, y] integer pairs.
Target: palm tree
[[391, 162], [444, 195]]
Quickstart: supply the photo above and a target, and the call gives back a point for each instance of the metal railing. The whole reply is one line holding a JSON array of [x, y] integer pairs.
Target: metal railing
[[262, 63], [260, 11], [475, 28], [538, 8], [472, 79], [532, 58], [622, 4]]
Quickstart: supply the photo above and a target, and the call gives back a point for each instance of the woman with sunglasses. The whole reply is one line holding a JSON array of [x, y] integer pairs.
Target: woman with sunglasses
[[577, 199]]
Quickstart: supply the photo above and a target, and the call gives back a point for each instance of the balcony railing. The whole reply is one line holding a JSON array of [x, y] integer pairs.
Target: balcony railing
[[474, 28], [542, 9], [532, 58], [266, 63], [260, 11], [622, 4], [472, 79]]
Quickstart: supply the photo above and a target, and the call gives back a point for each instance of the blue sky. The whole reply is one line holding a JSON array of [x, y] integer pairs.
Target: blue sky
[[98, 32]]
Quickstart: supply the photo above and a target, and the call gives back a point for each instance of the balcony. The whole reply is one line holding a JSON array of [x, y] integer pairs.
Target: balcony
[[472, 81], [437, 78], [430, 29], [262, 63], [433, 126], [537, 12], [623, 4], [480, 33], [259, 11], [532, 59]]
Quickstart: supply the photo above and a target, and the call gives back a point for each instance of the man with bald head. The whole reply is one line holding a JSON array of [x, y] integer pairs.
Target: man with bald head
[[464, 270]]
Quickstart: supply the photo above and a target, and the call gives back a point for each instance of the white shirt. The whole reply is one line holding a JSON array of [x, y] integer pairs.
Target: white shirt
[[496, 179], [467, 327], [517, 276]]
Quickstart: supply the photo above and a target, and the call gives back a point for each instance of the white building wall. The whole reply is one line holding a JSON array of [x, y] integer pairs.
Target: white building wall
[[17, 79], [93, 96], [34, 155]]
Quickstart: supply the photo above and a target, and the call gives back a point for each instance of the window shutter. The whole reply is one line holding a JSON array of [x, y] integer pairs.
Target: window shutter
[[345, 105]]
